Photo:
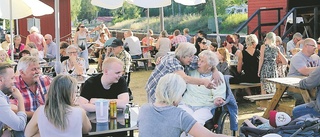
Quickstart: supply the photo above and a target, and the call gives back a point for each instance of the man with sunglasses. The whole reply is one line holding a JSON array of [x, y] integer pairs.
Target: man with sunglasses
[[52, 47], [303, 63], [8, 118]]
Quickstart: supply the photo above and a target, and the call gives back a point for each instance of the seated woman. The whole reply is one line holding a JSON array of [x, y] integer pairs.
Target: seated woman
[[4, 57], [18, 46], [59, 116], [201, 44], [163, 118], [74, 65], [198, 101], [224, 60], [99, 44]]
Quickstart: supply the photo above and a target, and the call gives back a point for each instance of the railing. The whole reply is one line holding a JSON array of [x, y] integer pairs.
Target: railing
[[259, 25], [294, 26]]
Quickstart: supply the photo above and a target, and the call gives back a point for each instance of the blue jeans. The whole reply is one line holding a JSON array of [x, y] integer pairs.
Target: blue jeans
[[135, 56], [303, 110]]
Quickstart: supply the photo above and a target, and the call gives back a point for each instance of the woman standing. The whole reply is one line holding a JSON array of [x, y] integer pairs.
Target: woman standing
[[248, 61], [267, 63], [163, 44], [80, 39], [38, 40], [59, 116], [280, 67]]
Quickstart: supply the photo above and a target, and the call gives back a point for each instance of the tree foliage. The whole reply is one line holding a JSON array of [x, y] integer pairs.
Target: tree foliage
[[128, 11], [88, 11], [75, 9]]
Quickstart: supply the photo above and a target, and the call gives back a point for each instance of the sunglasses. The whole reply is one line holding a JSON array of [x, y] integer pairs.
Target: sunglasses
[[82, 26], [204, 42]]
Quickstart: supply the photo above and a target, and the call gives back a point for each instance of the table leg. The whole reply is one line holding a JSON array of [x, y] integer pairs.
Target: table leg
[[275, 100], [305, 95], [131, 133]]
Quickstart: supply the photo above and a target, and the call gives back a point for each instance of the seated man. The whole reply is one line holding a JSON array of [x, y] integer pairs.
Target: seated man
[[32, 85], [133, 43], [119, 52], [303, 63], [311, 82], [16, 121], [198, 101], [108, 85]]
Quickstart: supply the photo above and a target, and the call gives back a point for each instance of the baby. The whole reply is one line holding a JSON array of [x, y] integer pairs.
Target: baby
[[276, 119]]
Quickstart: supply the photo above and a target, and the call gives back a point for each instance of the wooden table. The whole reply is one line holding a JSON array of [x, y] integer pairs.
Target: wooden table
[[112, 126], [284, 84]]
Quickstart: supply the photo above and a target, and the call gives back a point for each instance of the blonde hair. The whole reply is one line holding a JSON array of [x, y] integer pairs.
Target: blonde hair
[[225, 53], [33, 29], [170, 89], [59, 100], [250, 39], [272, 37], [7, 58], [108, 62]]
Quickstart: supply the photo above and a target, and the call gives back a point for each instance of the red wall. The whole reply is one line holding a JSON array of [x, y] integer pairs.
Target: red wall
[[266, 16], [47, 22]]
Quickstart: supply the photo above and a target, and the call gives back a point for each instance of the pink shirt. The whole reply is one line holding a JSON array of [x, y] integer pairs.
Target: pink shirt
[[37, 39]]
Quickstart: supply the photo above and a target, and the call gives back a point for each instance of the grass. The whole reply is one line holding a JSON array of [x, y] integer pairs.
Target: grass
[[139, 79]]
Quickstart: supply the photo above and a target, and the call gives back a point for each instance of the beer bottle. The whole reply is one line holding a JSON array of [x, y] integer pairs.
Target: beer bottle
[[127, 115]]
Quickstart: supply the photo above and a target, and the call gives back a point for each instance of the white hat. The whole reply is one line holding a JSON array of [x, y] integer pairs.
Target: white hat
[[278, 118]]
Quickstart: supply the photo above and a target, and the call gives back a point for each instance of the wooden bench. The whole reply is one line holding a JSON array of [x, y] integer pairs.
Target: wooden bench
[[244, 85], [254, 98], [144, 60]]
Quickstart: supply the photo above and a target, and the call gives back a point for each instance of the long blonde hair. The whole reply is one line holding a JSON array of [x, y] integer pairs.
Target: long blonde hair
[[225, 53], [60, 98]]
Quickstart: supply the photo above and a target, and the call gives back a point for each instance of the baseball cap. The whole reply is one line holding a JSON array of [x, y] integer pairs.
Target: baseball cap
[[278, 118], [116, 43]]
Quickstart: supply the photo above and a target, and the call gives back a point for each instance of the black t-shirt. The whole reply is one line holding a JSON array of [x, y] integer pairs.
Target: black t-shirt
[[93, 88]]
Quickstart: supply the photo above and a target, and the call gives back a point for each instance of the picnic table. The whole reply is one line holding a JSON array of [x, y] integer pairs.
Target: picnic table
[[284, 84]]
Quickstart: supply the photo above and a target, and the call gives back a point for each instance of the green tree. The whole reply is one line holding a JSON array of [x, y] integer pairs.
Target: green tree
[[128, 11], [75, 9], [88, 11]]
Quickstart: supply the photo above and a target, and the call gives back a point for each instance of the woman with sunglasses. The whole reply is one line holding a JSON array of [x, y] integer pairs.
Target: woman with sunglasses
[[80, 39], [201, 44]]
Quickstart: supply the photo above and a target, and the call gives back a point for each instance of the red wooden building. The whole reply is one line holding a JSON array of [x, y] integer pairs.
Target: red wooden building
[[270, 17], [47, 22]]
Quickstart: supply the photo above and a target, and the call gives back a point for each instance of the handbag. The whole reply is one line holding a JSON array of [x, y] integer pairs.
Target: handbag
[[6, 132], [82, 46]]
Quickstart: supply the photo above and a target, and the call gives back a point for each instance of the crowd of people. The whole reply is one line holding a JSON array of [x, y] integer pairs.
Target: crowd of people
[[187, 82]]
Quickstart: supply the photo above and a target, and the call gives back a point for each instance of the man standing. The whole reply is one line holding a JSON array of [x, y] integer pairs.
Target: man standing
[[108, 85], [9, 118], [303, 63], [52, 47], [133, 43], [31, 84]]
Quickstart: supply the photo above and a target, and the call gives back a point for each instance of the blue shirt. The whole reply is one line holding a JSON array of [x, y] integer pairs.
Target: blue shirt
[[52, 50], [7, 117]]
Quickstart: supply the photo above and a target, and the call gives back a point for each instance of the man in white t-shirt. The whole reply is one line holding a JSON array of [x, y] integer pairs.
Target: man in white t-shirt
[[291, 45], [133, 43]]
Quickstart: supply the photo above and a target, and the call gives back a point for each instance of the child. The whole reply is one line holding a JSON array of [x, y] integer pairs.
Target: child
[[276, 119], [4, 57], [224, 59]]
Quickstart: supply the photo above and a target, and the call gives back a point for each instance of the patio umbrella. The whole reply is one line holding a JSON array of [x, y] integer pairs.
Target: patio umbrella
[[111, 4], [17, 9]]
